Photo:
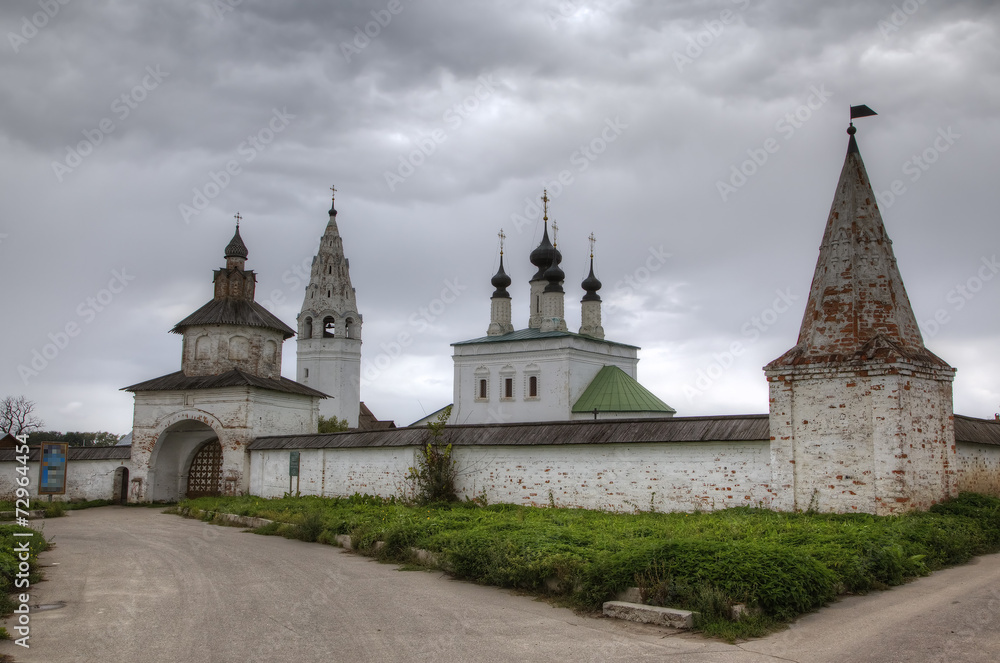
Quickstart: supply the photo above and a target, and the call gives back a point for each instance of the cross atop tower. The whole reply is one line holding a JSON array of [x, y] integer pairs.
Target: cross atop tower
[[545, 203], [592, 240], [238, 219], [502, 237], [555, 232], [333, 197]]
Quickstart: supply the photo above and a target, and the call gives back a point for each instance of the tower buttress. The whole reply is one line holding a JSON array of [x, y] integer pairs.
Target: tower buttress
[[329, 344], [861, 412]]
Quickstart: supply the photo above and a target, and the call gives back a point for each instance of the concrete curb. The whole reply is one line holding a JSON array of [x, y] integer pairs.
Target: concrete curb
[[649, 614]]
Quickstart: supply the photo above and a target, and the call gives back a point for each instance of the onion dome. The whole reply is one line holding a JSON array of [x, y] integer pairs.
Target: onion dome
[[591, 285], [555, 276], [544, 255], [500, 281], [236, 247]]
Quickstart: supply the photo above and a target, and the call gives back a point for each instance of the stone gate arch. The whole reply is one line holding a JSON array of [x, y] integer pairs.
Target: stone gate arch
[[181, 436]]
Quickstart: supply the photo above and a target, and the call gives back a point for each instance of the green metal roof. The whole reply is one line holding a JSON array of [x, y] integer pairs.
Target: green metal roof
[[531, 334], [613, 390]]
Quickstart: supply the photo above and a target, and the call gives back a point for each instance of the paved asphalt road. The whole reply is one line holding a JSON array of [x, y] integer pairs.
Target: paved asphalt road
[[141, 586]]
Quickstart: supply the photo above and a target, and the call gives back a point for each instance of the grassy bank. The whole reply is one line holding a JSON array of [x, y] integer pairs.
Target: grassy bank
[[55, 508], [10, 561], [779, 565]]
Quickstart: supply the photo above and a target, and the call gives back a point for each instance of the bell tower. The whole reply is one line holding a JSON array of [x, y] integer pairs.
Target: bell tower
[[328, 349]]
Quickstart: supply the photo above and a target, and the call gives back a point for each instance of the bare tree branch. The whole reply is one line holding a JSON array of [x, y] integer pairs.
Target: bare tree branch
[[16, 416]]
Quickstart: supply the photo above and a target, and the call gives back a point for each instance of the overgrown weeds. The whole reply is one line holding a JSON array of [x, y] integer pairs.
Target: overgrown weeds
[[774, 565]]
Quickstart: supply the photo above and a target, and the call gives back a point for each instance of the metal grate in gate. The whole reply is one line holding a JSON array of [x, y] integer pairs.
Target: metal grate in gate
[[205, 473]]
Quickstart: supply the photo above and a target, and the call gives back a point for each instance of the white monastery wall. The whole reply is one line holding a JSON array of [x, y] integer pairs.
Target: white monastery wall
[[85, 480], [978, 468], [662, 476]]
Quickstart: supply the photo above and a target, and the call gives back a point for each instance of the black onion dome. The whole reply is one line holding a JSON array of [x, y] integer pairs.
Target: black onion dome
[[236, 247], [591, 285], [500, 281], [544, 255], [333, 210], [555, 276]]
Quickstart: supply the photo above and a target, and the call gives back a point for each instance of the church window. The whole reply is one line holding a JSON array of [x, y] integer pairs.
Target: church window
[[307, 328], [307, 373], [507, 378], [329, 294], [482, 389], [532, 373], [329, 270], [329, 325], [351, 328]]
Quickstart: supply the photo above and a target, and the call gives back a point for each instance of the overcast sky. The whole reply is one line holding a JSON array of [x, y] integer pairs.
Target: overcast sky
[[133, 132]]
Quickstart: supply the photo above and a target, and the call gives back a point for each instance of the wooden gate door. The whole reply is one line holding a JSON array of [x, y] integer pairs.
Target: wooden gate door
[[205, 473]]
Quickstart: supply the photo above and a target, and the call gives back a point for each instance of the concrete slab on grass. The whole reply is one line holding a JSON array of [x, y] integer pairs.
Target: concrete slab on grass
[[649, 614]]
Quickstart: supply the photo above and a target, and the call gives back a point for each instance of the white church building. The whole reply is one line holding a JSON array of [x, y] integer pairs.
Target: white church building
[[545, 372]]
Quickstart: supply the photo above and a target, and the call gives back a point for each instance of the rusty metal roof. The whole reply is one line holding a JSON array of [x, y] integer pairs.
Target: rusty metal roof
[[234, 378], [752, 427], [979, 431], [75, 453], [233, 311]]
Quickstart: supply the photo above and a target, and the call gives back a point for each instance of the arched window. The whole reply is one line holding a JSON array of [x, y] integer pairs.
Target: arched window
[[351, 328], [329, 326], [482, 383], [239, 348], [203, 347], [533, 386], [307, 328]]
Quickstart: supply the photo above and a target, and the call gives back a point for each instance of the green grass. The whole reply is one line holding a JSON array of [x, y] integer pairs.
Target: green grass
[[56, 507], [9, 562], [779, 565]]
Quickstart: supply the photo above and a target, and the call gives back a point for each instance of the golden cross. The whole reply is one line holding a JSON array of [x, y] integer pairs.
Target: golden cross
[[555, 232], [502, 238], [545, 202], [592, 240], [334, 190], [238, 218]]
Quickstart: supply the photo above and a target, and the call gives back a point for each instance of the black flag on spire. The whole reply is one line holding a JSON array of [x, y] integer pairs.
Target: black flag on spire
[[861, 111]]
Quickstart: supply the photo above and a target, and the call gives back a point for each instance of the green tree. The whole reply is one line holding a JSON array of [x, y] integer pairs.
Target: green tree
[[332, 424], [435, 472]]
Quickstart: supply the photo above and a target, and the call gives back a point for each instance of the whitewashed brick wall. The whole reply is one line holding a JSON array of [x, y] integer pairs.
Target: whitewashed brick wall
[[660, 476]]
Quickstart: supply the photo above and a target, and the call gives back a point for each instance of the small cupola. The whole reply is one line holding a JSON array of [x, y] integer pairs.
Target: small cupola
[[236, 250]]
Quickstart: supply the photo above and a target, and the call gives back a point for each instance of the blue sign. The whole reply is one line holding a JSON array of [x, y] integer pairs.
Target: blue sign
[[52, 479]]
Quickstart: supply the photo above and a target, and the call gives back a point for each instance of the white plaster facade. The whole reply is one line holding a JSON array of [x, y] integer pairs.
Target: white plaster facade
[[563, 365], [170, 426], [328, 349]]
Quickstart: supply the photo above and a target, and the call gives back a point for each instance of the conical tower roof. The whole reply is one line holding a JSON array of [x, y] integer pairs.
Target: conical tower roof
[[330, 278], [857, 309]]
